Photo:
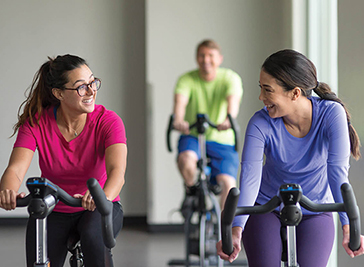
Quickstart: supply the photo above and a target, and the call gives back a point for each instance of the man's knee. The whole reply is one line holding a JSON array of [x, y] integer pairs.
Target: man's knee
[[226, 180], [187, 158]]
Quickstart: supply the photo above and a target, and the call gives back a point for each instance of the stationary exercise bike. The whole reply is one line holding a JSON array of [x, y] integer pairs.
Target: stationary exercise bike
[[42, 198], [201, 237], [290, 198]]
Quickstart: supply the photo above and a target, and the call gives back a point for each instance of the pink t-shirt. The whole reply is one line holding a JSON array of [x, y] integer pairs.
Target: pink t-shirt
[[70, 164]]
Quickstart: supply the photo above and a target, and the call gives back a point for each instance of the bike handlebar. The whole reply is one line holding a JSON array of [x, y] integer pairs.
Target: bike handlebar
[[200, 120], [23, 202], [352, 210], [103, 205], [227, 217], [349, 206]]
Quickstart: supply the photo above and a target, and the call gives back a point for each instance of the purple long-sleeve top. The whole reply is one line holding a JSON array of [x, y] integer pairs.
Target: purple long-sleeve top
[[318, 162]]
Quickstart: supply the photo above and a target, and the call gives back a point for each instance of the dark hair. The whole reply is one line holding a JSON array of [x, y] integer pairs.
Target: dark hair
[[210, 44], [52, 74], [292, 69]]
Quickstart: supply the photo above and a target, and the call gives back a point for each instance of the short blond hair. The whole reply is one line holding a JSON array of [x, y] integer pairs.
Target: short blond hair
[[210, 44]]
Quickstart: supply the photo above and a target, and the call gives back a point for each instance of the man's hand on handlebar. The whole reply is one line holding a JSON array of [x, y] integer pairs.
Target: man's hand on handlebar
[[224, 125], [236, 238], [345, 243], [182, 126], [8, 199], [87, 202]]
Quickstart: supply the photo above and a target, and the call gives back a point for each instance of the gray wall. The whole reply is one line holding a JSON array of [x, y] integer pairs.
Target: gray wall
[[110, 35], [121, 38], [351, 70]]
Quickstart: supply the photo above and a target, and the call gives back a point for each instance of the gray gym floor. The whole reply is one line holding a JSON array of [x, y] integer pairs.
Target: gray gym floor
[[136, 247]]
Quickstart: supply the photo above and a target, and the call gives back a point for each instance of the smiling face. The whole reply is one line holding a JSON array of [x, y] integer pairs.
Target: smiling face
[[71, 100], [276, 100], [208, 60]]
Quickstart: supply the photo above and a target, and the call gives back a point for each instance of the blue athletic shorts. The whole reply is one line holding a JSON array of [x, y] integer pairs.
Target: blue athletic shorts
[[223, 158]]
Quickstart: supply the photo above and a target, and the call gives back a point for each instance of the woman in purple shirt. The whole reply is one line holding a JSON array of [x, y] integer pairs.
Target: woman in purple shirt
[[76, 140], [305, 140]]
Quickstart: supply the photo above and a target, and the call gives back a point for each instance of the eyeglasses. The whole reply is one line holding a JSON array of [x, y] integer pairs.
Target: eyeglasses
[[82, 90]]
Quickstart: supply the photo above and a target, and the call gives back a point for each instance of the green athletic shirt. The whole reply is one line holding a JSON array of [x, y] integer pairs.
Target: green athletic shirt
[[210, 98]]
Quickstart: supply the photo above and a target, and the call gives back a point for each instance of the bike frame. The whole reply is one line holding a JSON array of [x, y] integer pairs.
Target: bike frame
[[202, 124], [291, 199], [43, 197]]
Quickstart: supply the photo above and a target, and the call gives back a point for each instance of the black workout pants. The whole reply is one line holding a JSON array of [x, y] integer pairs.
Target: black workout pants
[[87, 224]]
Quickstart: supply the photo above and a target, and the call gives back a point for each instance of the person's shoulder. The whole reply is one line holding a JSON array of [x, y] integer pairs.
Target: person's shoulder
[[326, 106], [190, 75], [261, 116], [101, 111], [260, 123], [228, 72], [187, 80], [230, 77], [43, 117]]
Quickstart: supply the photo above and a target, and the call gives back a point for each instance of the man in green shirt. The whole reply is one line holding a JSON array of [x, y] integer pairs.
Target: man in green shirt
[[216, 92]]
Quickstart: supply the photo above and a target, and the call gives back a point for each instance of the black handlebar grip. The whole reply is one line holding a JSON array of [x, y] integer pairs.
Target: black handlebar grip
[[23, 202], [352, 210], [227, 217], [169, 130], [102, 204], [67, 199], [236, 129], [105, 207]]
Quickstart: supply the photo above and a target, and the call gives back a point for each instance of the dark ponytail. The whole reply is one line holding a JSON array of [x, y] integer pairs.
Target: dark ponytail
[[292, 69], [323, 91], [52, 74]]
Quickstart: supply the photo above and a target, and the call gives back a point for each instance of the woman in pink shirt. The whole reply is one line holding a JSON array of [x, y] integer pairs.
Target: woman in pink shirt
[[76, 140]]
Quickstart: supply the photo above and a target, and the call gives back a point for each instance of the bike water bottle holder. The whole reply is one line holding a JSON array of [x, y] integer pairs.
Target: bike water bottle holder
[[291, 214]]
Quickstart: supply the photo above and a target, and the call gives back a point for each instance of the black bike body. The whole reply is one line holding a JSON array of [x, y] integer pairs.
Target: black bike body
[[290, 198], [41, 200], [201, 236]]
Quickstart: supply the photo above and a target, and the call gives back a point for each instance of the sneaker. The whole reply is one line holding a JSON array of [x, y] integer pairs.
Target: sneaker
[[215, 188], [188, 205], [192, 190]]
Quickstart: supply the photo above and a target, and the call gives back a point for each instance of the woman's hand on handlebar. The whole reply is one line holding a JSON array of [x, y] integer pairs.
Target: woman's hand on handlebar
[[182, 126], [8, 199], [345, 243], [236, 238], [224, 125], [87, 202]]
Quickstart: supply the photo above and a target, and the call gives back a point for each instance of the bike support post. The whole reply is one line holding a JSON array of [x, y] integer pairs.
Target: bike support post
[[202, 142], [41, 243], [291, 246]]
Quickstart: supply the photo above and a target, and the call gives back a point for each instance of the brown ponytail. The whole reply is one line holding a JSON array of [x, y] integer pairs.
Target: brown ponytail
[[52, 74]]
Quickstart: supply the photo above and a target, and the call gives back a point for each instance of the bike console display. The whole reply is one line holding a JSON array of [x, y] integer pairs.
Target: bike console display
[[43, 197], [290, 195]]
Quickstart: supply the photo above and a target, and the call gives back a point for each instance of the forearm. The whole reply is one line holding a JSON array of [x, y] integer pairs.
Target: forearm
[[179, 109], [115, 161], [233, 105], [114, 184], [19, 162], [237, 231], [11, 180]]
